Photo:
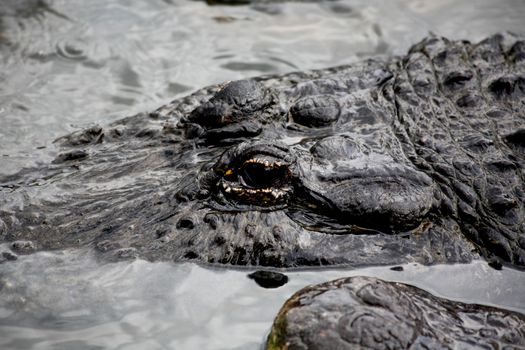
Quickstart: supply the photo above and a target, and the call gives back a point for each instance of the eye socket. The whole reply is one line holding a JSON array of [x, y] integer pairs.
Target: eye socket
[[262, 175]]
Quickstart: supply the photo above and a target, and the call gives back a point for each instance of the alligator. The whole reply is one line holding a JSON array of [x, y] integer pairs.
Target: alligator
[[368, 313], [388, 161]]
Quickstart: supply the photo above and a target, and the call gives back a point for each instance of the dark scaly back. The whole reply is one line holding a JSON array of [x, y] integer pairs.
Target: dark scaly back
[[461, 116]]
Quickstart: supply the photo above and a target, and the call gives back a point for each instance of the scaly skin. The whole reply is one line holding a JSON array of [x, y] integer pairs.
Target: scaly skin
[[415, 159], [367, 313]]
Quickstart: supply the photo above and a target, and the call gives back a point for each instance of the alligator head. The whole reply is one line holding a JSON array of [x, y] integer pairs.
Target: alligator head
[[416, 159]]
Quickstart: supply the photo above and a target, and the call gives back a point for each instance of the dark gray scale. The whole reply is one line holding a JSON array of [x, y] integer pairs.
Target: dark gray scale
[[233, 103], [457, 79], [469, 101], [517, 139], [316, 111], [337, 147], [233, 112], [212, 114], [246, 95], [477, 142], [501, 200], [511, 87], [517, 51]]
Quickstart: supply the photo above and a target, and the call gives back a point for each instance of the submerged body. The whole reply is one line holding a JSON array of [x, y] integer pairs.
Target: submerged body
[[415, 159]]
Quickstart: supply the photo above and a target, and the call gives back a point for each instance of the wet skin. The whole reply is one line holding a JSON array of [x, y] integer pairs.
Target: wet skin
[[367, 313], [415, 159]]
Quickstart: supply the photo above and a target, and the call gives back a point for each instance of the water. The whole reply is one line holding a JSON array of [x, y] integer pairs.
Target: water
[[72, 63], [68, 300], [68, 64]]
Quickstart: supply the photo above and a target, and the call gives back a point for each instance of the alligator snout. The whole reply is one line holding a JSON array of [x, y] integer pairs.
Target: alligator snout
[[358, 186]]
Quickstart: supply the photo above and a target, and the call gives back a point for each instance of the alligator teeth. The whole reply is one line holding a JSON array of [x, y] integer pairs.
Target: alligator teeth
[[275, 193], [265, 162]]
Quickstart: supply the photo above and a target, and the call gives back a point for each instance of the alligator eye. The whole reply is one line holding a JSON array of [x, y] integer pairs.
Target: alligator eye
[[258, 174]]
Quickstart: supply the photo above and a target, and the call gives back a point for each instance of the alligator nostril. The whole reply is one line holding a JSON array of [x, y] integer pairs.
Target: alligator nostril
[[186, 223]]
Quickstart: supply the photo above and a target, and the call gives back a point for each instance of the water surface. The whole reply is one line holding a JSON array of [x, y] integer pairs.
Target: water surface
[[66, 64], [68, 300]]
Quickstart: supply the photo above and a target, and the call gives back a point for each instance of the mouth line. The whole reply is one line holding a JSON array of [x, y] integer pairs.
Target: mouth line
[[266, 194], [276, 193]]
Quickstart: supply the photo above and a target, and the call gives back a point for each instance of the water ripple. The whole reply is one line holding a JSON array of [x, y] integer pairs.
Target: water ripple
[[74, 62], [61, 299]]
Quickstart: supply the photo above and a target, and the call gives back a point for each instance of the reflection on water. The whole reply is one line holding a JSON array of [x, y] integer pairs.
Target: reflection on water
[[65, 64], [66, 300]]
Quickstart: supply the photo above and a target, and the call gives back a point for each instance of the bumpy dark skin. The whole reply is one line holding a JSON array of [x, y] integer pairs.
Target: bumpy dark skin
[[247, 2], [367, 313], [416, 159]]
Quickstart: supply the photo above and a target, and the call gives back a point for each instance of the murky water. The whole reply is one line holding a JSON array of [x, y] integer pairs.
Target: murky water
[[67, 64]]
